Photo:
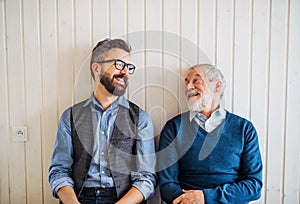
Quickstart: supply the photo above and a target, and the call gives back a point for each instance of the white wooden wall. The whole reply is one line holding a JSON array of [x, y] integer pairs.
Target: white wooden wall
[[45, 47]]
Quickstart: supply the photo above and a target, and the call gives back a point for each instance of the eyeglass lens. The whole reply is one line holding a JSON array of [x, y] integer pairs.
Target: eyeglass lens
[[119, 64]]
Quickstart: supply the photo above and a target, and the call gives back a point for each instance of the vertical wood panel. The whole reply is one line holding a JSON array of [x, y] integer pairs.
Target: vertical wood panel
[[33, 100], [189, 33], [224, 56], [100, 20], [292, 155], [17, 101], [66, 39], [4, 118], [49, 66], [242, 57], [118, 16], [82, 88], [207, 28], [276, 126], [260, 78]]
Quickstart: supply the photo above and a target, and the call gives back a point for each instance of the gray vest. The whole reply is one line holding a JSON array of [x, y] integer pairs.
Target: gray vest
[[121, 150]]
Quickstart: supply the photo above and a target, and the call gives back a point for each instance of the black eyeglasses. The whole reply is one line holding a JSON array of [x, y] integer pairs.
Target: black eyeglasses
[[120, 65]]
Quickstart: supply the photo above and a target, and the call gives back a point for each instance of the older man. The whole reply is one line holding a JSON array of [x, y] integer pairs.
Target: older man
[[208, 155]]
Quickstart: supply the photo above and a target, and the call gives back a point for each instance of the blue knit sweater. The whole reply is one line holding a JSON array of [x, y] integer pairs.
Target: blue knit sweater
[[226, 163]]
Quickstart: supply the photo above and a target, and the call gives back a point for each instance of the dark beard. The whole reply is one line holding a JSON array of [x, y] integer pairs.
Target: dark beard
[[117, 90]]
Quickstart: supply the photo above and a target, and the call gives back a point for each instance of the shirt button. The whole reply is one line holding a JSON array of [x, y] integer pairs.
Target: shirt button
[[102, 132], [102, 172], [102, 153]]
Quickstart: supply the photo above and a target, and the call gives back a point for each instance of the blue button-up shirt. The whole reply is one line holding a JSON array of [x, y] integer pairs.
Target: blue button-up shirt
[[99, 174]]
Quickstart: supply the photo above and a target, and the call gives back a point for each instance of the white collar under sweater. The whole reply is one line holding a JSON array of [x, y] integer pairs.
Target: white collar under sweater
[[209, 124]]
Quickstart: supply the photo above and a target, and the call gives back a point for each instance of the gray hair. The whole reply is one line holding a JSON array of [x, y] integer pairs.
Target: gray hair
[[102, 47], [213, 74]]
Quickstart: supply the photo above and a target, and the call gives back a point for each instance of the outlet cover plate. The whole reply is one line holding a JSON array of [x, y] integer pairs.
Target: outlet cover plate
[[19, 134]]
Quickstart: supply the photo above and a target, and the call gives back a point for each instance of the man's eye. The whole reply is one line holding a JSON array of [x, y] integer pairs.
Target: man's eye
[[197, 81]]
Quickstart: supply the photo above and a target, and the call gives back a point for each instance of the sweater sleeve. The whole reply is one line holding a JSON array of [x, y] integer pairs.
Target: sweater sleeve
[[168, 165], [248, 187]]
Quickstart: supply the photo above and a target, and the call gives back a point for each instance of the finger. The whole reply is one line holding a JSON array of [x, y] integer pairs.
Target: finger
[[179, 199]]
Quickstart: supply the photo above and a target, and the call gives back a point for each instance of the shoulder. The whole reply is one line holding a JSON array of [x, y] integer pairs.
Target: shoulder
[[234, 118], [143, 118], [178, 119], [68, 112], [176, 123], [65, 116], [238, 122], [135, 108], [82, 104]]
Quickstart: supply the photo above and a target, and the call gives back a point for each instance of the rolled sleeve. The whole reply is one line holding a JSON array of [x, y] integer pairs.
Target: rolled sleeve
[[61, 161], [145, 178], [59, 183], [145, 183]]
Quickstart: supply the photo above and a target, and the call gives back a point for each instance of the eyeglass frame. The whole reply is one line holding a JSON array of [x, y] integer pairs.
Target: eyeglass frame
[[130, 70]]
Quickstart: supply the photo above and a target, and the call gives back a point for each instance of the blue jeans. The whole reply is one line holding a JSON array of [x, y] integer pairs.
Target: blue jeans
[[97, 196]]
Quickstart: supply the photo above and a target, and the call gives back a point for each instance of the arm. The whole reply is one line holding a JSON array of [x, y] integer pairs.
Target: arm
[[168, 169], [67, 195], [144, 179], [248, 187], [61, 161], [132, 196]]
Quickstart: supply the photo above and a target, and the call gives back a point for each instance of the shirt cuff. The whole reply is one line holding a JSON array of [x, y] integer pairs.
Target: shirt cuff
[[61, 183], [145, 188], [209, 195]]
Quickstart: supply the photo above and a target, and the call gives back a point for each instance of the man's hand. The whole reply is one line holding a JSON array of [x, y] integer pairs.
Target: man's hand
[[190, 197], [67, 195]]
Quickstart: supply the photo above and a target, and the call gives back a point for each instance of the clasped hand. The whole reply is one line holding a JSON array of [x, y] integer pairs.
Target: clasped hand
[[190, 197]]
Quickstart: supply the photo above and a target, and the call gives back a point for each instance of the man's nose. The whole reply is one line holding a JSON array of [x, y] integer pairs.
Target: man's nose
[[125, 70], [189, 86]]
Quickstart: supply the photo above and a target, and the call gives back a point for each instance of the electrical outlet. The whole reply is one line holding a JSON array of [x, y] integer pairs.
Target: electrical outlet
[[19, 134]]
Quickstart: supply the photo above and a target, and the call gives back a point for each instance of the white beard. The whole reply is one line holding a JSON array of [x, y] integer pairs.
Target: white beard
[[195, 105], [199, 104]]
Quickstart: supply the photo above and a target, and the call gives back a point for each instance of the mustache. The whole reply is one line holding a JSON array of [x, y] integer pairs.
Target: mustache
[[192, 93], [121, 76]]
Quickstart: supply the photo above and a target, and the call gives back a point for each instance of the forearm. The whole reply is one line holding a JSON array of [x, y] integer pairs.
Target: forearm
[[241, 192], [133, 196], [67, 195], [170, 191]]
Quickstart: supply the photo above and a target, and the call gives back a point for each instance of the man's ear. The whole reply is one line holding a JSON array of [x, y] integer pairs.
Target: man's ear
[[218, 86], [96, 69]]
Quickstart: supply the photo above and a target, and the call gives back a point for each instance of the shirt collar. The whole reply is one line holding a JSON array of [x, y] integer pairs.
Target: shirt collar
[[220, 112], [120, 101]]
